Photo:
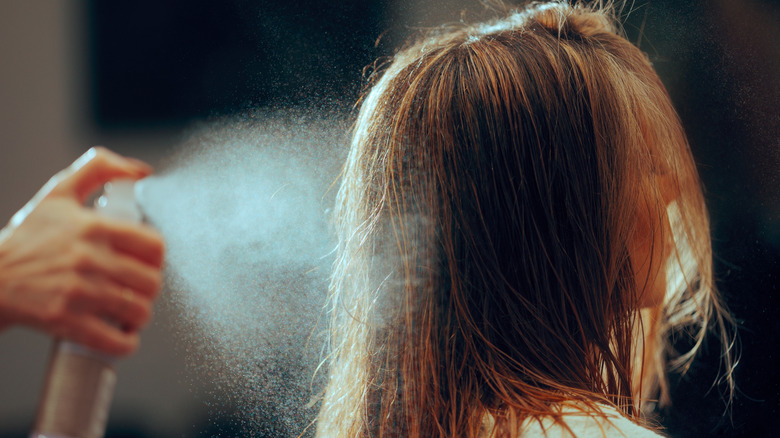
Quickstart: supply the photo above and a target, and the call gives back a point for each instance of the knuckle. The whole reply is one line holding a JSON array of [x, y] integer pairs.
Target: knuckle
[[71, 290], [95, 158], [131, 345], [91, 226], [157, 249], [149, 282], [89, 159], [159, 245], [54, 315], [156, 282], [81, 259], [144, 314], [99, 154]]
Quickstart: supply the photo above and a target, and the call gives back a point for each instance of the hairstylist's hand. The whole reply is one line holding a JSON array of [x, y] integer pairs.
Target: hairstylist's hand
[[66, 270]]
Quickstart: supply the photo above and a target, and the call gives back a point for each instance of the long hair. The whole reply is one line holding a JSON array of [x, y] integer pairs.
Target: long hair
[[486, 216]]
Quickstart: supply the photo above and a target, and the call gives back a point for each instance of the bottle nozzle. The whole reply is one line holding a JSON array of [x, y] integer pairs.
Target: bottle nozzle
[[118, 201]]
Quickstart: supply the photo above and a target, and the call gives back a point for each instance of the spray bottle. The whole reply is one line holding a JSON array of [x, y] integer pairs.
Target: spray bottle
[[80, 382]]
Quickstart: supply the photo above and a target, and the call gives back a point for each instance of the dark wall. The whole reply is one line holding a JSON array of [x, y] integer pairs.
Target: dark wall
[[170, 62]]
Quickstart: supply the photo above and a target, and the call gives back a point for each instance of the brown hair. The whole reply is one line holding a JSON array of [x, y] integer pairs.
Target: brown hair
[[485, 217]]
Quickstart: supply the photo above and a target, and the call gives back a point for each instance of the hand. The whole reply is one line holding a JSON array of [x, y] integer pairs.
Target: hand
[[68, 271]]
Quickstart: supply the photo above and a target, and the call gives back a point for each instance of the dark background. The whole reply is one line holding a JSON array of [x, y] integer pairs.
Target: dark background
[[152, 65], [719, 60], [169, 62]]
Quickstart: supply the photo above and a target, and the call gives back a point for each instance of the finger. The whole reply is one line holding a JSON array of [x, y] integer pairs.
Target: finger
[[124, 307], [117, 304], [128, 271], [138, 241], [96, 333], [95, 168]]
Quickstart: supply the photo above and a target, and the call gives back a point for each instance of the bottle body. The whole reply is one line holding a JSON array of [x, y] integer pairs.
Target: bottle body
[[80, 381], [77, 393]]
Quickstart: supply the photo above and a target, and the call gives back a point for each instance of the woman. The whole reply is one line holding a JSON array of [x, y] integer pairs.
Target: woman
[[521, 226]]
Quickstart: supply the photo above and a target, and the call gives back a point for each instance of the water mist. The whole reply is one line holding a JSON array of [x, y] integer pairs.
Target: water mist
[[244, 207]]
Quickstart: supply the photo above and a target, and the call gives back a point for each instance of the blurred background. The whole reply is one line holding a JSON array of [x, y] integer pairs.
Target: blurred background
[[134, 76]]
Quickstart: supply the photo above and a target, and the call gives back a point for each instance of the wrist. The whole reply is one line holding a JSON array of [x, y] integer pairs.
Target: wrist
[[5, 321]]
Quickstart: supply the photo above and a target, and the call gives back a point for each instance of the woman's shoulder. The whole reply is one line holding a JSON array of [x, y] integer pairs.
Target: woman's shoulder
[[608, 423], [577, 423]]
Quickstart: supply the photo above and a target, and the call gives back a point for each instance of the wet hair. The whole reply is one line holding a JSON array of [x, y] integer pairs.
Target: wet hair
[[486, 214]]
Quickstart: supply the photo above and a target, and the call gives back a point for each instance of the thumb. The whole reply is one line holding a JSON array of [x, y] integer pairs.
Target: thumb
[[93, 169]]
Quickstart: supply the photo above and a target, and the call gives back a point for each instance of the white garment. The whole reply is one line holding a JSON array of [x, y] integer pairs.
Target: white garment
[[588, 426], [610, 424]]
